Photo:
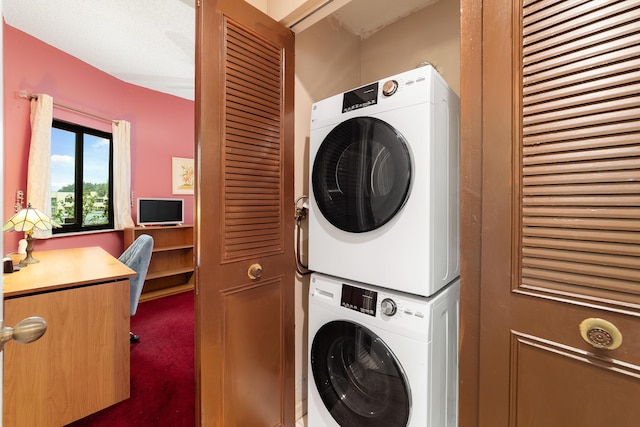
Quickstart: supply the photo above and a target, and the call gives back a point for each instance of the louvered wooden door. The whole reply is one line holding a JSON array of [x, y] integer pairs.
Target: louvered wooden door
[[244, 201], [560, 213]]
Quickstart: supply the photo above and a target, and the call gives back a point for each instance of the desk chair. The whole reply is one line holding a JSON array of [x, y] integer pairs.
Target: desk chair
[[137, 257]]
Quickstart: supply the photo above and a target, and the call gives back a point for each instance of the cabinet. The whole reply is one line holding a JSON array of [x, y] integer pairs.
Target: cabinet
[[81, 364], [172, 263]]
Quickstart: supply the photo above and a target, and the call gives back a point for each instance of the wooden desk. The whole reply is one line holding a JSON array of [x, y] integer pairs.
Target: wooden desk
[[81, 364]]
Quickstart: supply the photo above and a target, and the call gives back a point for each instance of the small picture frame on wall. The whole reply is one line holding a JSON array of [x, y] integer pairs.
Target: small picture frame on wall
[[182, 175]]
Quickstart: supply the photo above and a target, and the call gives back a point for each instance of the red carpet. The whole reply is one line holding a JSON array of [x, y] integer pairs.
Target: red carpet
[[162, 373]]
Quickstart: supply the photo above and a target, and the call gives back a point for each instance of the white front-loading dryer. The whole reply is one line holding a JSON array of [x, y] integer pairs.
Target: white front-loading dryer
[[384, 184], [380, 358]]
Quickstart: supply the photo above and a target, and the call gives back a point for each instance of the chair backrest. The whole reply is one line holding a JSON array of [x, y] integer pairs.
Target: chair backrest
[[137, 257]]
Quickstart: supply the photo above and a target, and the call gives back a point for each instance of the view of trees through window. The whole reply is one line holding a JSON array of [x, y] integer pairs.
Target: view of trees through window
[[80, 170]]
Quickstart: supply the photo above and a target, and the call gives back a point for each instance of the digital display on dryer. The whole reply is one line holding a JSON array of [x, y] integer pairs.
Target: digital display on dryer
[[358, 299], [360, 98]]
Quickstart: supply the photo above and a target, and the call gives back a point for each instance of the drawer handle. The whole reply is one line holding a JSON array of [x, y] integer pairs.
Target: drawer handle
[[255, 271], [600, 333]]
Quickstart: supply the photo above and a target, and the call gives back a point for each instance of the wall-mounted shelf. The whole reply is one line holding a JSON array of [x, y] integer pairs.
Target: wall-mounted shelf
[[172, 263]]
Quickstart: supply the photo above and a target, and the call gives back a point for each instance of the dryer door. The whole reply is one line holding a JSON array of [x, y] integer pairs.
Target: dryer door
[[361, 174], [359, 379]]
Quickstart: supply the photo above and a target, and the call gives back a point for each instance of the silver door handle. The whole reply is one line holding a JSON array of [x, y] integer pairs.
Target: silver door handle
[[26, 331]]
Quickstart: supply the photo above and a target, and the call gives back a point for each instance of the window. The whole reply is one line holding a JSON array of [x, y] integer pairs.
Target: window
[[81, 178]]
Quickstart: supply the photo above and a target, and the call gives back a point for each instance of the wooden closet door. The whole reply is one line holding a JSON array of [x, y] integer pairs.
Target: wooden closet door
[[556, 140], [244, 217]]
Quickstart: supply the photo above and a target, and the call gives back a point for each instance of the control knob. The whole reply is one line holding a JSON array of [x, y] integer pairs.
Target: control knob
[[388, 307], [389, 87]]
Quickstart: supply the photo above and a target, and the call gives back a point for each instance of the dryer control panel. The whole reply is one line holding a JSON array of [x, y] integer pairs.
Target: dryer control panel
[[359, 98]]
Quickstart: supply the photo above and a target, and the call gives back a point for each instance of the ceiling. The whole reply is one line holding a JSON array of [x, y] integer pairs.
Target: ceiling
[[366, 17], [151, 43]]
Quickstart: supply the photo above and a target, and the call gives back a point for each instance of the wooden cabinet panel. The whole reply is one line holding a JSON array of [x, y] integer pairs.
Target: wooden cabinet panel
[[557, 369], [80, 365], [252, 354]]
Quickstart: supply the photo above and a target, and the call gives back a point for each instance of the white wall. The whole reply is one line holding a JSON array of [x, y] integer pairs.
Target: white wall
[[430, 34], [289, 12], [278, 9]]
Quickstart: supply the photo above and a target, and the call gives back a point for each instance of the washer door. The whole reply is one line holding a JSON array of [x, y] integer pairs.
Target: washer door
[[358, 377], [361, 174]]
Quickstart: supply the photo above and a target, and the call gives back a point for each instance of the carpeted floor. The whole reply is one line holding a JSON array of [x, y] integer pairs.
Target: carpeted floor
[[162, 369]]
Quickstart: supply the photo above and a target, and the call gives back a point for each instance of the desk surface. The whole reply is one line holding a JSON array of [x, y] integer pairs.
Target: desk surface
[[65, 268]]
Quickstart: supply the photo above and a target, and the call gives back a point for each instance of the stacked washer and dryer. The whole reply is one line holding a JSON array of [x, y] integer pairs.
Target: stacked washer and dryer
[[384, 248]]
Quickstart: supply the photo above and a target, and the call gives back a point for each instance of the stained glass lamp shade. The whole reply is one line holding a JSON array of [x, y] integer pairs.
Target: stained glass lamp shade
[[27, 220]]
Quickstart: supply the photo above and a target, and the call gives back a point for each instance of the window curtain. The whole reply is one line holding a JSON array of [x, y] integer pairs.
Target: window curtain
[[39, 167], [38, 176], [121, 130]]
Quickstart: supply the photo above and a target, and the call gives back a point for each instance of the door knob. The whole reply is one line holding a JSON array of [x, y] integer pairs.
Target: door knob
[[26, 331], [255, 271], [600, 333]]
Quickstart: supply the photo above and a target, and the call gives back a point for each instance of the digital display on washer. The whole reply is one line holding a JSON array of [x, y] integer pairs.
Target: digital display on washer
[[358, 299], [360, 98]]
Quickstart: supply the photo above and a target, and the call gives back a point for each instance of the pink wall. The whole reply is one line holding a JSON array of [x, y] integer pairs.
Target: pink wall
[[162, 126]]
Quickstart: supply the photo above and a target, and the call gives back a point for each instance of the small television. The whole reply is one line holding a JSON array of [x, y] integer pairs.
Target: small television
[[156, 211]]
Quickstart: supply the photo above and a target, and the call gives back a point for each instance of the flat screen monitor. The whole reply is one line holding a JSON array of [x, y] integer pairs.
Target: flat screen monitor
[[157, 211]]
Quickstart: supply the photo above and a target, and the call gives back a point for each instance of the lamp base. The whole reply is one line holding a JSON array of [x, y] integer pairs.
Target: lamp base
[[29, 259]]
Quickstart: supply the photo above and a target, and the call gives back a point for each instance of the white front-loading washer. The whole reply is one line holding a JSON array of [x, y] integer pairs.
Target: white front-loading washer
[[384, 184], [380, 358]]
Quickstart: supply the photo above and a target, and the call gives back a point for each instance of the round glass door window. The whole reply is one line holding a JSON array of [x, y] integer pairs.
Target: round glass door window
[[358, 377], [361, 174]]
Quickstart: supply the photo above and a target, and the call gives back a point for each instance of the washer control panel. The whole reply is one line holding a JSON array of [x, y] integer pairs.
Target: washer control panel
[[359, 299], [372, 303], [371, 306]]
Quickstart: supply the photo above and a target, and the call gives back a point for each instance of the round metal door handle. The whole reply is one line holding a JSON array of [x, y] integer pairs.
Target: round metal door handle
[[600, 333], [255, 271], [26, 331]]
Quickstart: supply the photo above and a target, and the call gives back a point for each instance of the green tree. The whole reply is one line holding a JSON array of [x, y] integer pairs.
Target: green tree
[[93, 213]]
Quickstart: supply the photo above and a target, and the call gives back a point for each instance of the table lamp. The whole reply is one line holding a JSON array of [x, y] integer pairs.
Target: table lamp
[[26, 220]]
